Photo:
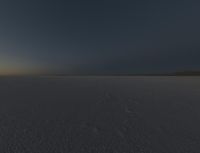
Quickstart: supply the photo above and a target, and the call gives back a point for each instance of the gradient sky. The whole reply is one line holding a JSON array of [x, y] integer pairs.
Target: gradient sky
[[99, 37]]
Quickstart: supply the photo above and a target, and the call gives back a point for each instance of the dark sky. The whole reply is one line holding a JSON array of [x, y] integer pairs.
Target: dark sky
[[99, 37]]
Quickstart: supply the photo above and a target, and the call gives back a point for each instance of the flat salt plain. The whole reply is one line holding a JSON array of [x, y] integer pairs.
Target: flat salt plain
[[100, 115]]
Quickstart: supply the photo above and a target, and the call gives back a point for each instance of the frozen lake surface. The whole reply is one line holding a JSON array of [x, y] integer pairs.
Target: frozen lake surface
[[100, 115]]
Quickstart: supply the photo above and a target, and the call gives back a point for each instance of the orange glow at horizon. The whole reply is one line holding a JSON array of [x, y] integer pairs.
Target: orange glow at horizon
[[14, 66]]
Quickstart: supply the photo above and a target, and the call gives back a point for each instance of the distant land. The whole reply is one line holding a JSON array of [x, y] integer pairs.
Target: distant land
[[177, 73], [187, 73]]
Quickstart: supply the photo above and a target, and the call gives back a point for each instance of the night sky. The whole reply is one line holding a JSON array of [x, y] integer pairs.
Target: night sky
[[99, 37]]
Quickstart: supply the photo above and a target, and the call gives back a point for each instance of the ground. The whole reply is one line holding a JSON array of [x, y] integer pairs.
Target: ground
[[100, 115]]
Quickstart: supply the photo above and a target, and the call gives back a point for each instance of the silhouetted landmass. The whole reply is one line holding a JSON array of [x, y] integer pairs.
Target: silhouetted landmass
[[178, 73], [187, 73]]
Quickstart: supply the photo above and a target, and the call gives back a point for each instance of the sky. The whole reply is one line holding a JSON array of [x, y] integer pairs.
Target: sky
[[99, 37]]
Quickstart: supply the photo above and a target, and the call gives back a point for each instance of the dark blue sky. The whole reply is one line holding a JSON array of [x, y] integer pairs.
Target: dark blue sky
[[99, 37]]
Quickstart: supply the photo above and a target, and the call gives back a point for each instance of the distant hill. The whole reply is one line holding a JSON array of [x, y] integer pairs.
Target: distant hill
[[178, 73], [187, 73]]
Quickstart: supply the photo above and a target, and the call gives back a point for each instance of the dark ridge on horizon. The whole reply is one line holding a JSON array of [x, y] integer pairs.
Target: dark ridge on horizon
[[177, 73], [187, 73]]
